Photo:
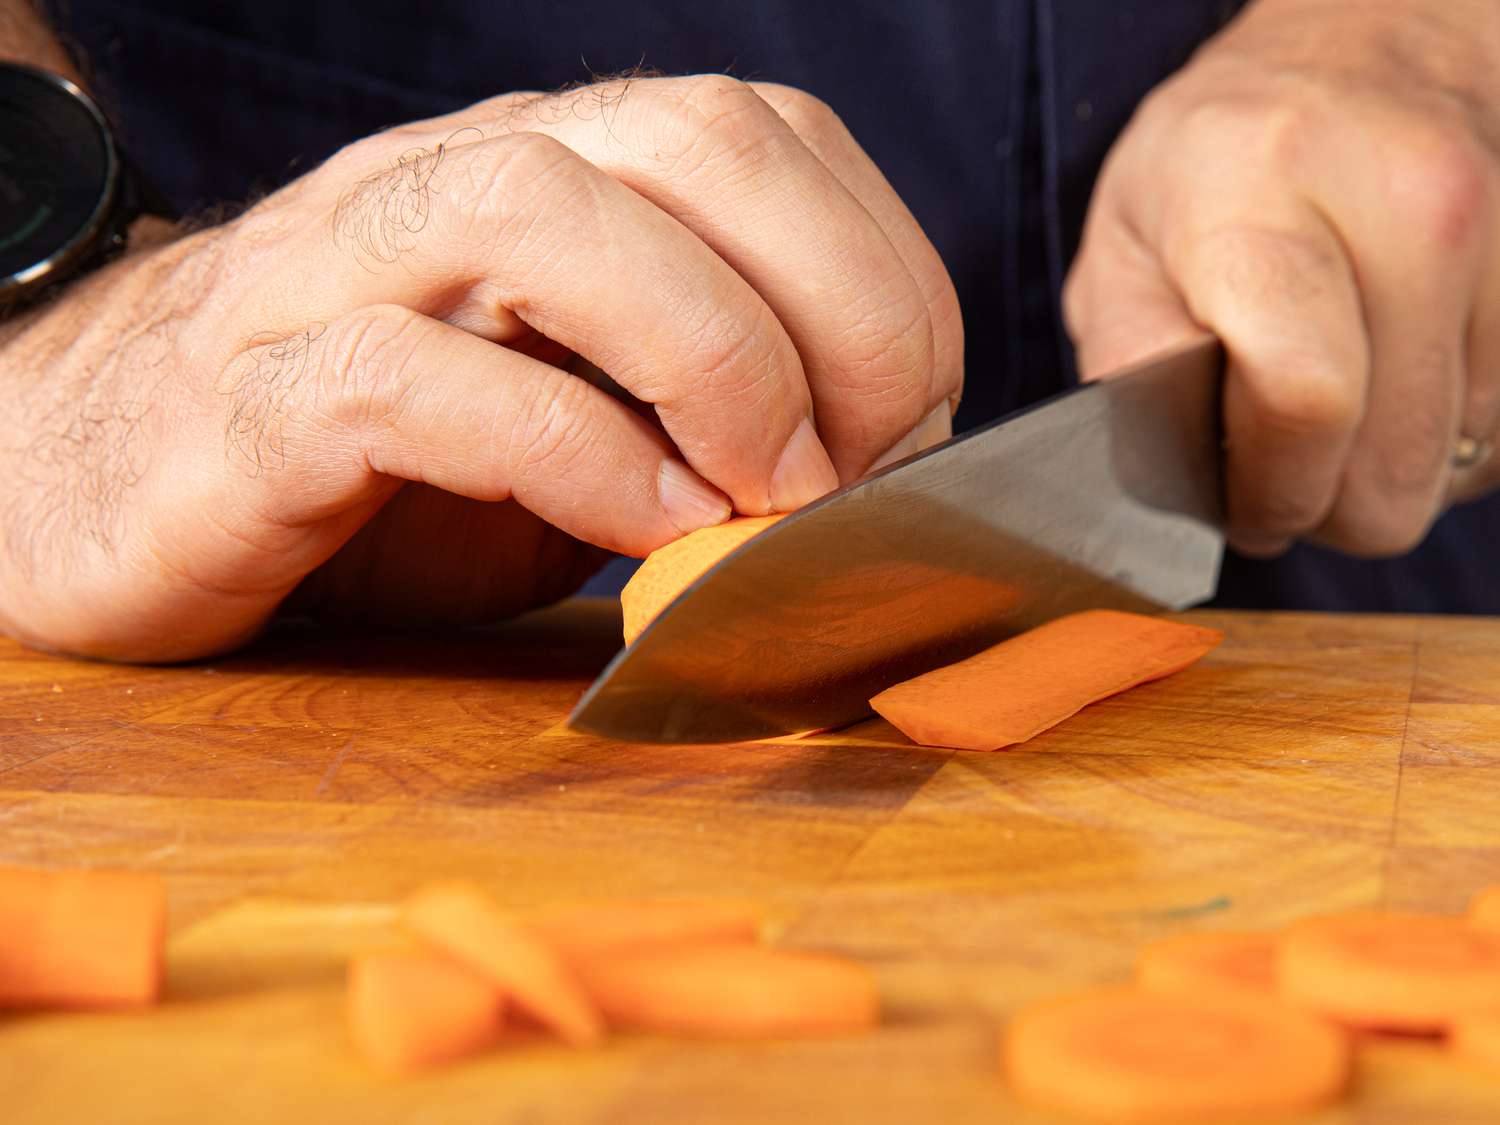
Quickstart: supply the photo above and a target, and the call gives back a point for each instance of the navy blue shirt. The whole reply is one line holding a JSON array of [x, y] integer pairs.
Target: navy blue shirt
[[990, 119]]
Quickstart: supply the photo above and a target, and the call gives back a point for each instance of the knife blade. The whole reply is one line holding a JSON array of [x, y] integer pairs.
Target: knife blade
[[1106, 496]]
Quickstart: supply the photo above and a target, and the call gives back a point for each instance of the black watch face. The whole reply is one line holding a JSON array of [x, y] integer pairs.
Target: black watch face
[[56, 172]]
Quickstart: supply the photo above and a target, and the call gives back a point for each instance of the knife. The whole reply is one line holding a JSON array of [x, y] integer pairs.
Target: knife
[[1106, 496]]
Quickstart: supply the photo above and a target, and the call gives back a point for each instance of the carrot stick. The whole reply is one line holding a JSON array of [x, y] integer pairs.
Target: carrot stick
[[410, 1009], [80, 939], [1484, 911], [593, 930], [1239, 962], [670, 570], [732, 991], [1034, 681], [1130, 1055], [461, 921], [1475, 1038], [1395, 972]]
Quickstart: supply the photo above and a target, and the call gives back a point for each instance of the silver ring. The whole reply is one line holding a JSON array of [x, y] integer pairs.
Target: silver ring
[[1468, 452]]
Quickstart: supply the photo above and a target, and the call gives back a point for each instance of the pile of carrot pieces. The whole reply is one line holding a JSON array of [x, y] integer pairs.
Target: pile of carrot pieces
[[1242, 1024], [694, 969], [1005, 695]]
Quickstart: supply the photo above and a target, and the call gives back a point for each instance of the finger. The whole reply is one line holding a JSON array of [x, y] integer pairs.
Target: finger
[[1418, 292], [1481, 412], [709, 151], [1272, 280], [388, 393], [829, 139], [524, 223], [1118, 305]]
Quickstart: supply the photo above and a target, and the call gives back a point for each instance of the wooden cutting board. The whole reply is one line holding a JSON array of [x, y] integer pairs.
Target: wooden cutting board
[[1312, 763]]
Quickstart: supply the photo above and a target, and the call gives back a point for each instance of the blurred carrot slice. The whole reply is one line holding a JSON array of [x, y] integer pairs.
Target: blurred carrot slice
[[1022, 686], [410, 1009], [592, 930], [80, 938], [1485, 909], [670, 570], [460, 920], [1241, 962], [1476, 1038], [732, 991], [1131, 1055], [1397, 972]]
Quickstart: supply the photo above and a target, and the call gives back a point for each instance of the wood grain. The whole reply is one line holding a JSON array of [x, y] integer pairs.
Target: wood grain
[[1311, 763]]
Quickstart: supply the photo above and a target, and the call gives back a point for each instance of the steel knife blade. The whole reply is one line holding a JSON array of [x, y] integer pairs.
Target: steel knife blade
[[1107, 495]]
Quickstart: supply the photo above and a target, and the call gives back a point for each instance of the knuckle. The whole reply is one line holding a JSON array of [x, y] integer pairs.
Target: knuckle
[[368, 362], [740, 360], [1303, 400], [552, 429], [709, 119], [1441, 183], [808, 115], [1255, 263]]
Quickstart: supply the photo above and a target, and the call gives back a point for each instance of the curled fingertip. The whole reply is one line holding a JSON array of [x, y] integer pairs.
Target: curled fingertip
[[804, 472]]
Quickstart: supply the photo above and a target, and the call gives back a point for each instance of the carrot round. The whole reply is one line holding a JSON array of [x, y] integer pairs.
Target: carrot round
[[1022, 686], [670, 570], [80, 939], [1398, 972], [1484, 911], [410, 1009], [732, 991], [1475, 1038], [1240, 962], [1131, 1055], [592, 930], [461, 920]]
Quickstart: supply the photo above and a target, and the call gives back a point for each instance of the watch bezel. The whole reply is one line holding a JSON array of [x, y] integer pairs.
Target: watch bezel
[[77, 249]]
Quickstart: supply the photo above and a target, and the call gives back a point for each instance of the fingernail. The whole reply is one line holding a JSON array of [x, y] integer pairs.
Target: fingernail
[[1258, 545], [804, 472], [936, 427], [689, 502]]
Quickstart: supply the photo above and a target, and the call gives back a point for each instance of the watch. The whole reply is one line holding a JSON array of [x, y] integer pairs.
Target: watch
[[67, 193]]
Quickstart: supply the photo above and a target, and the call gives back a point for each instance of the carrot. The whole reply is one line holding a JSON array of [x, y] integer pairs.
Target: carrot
[[1396, 972], [732, 991], [1239, 962], [1020, 687], [670, 570], [80, 939], [1476, 1038], [1127, 1054], [461, 921], [410, 1009], [593, 930], [1484, 911]]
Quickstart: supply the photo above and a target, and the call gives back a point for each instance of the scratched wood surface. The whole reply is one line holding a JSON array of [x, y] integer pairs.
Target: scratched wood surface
[[1312, 763]]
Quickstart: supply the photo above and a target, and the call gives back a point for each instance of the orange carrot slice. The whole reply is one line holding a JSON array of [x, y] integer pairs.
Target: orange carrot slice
[[732, 991], [1396, 972], [410, 1009], [80, 939], [1476, 1038], [1127, 1055], [1034, 681], [1485, 909], [462, 921], [593, 930], [670, 570], [1239, 962]]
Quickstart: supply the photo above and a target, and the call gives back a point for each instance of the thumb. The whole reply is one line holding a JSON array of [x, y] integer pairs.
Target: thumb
[[1119, 305]]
